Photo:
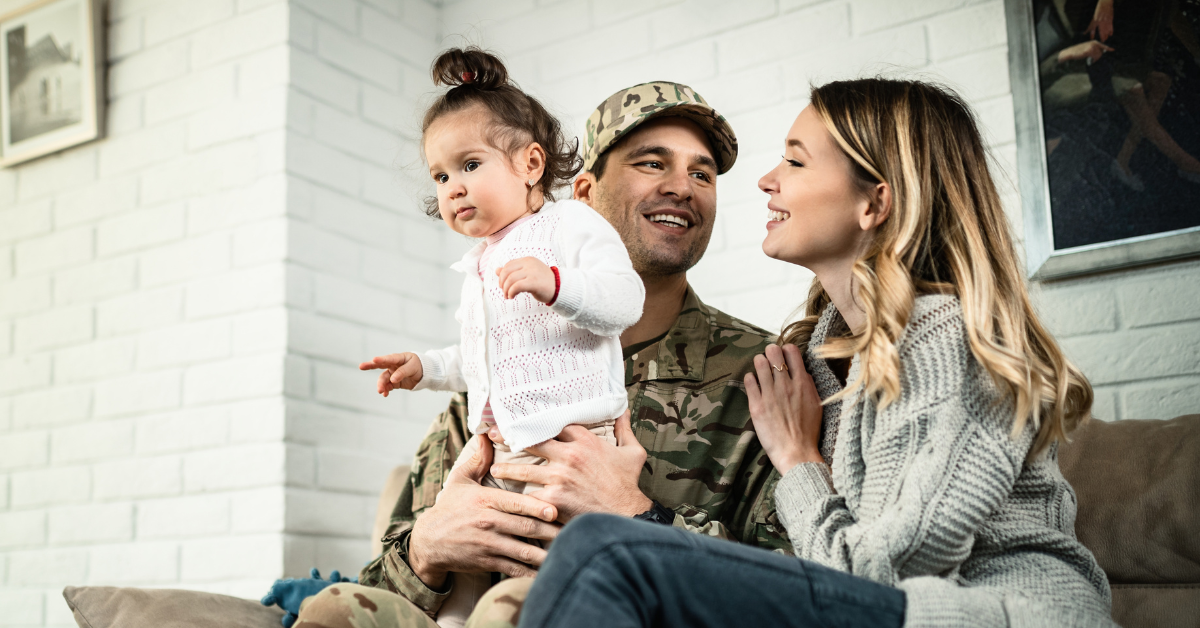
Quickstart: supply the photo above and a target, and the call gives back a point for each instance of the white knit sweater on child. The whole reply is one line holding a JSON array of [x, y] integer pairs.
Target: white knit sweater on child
[[543, 367], [932, 495]]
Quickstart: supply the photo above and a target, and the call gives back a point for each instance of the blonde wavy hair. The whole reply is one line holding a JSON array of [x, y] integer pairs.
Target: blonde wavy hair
[[946, 233]]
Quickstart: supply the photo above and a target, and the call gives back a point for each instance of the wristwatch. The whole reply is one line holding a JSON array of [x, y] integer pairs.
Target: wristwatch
[[657, 514]]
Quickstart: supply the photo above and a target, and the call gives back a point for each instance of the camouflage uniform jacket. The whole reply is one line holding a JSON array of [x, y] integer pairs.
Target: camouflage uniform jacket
[[689, 411]]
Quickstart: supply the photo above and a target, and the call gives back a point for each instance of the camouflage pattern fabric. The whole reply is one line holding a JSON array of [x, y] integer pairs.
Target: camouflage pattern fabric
[[356, 606], [689, 410], [625, 110]]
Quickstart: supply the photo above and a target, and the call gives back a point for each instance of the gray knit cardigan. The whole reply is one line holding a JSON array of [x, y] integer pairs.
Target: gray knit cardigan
[[932, 495]]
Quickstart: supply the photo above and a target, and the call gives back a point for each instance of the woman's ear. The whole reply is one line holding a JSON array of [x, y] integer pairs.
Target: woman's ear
[[879, 207]]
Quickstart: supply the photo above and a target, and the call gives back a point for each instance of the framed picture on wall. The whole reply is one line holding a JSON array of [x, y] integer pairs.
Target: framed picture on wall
[[51, 78], [1107, 101]]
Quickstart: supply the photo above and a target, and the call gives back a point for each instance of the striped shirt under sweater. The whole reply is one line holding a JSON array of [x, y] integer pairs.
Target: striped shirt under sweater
[[933, 495]]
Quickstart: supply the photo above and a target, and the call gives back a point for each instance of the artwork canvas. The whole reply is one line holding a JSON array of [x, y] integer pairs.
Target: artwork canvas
[[50, 78], [1107, 101]]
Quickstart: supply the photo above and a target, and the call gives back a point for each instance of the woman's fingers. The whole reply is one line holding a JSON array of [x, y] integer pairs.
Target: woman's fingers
[[775, 357], [762, 368], [384, 384], [794, 361], [753, 394]]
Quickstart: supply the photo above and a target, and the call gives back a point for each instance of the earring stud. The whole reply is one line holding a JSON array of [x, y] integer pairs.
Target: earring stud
[[530, 183]]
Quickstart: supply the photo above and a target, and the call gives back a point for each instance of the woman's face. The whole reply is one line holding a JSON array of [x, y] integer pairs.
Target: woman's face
[[817, 204]]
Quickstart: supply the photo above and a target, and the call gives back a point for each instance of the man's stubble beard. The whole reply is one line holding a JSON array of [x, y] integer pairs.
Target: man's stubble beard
[[649, 260]]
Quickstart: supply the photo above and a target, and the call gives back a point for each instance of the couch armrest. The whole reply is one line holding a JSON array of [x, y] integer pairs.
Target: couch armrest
[[387, 501], [1138, 486]]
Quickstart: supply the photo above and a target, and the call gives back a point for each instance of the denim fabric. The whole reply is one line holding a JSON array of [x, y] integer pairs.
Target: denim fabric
[[616, 572]]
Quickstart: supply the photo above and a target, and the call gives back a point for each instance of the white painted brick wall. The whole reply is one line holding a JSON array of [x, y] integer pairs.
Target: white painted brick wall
[[142, 285], [367, 268], [183, 303]]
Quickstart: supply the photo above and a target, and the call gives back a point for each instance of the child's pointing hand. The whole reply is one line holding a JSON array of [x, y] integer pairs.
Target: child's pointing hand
[[527, 274], [401, 370]]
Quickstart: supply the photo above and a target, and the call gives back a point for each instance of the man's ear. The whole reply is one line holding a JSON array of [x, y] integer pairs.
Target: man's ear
[[583, 189], [879, 207]]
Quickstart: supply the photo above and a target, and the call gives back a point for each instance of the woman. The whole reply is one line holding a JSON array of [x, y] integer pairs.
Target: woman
[[944, 505]]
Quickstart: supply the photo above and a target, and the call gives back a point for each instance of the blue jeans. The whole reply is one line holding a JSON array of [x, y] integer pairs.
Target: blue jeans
[[612, 571]]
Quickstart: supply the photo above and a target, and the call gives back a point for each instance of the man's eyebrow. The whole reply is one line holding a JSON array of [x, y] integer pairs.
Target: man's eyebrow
[[705, 160], [663, 151], [658, 151]]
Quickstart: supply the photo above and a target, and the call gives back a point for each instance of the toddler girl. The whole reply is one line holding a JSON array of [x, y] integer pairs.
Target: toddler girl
[[546, 293]]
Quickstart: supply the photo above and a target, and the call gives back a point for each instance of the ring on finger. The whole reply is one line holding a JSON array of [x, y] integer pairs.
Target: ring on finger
[[780, 367]]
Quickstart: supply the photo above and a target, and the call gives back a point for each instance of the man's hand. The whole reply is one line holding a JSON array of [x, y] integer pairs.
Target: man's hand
[[527, 274], [400, 370], [585, 474], [471, 528]]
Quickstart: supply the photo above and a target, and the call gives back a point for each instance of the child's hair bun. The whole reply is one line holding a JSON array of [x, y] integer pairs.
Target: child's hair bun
[[469, 66]]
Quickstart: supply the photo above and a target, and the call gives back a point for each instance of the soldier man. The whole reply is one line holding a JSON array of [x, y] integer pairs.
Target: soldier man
[[688, 457]]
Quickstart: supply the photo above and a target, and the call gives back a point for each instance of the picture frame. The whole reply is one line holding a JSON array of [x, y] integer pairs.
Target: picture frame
[[1044, 259], [51, 78]]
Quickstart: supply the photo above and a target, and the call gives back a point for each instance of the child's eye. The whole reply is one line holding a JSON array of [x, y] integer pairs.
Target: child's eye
[[471, 165], [441, 178]]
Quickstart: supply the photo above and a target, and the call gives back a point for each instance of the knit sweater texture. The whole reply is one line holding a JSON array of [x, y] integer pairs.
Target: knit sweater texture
[[934, 496], [542, 367]]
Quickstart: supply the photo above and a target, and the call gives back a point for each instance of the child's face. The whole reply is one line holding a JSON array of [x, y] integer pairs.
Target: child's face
[[479, 191]]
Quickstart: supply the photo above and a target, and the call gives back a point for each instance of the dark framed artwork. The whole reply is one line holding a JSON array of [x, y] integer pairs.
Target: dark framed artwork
[[1107, 101], [51, 78]]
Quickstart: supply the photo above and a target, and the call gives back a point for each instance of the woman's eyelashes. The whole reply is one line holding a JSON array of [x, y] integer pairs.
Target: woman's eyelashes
[[792, 162]]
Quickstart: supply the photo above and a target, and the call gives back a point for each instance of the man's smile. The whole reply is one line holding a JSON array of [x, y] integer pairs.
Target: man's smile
[[674, 221]]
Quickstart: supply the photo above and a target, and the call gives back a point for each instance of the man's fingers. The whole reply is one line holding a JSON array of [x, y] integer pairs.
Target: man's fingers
[[383, 385], [536, 473], [507, 525], [477, 466], [623, 430], [520, 504], [512, 568]]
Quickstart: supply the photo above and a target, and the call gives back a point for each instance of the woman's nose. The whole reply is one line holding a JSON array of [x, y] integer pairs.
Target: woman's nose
[[767, 183]]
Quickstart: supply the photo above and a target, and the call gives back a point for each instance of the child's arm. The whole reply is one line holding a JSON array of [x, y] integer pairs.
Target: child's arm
[[598, 289], [438, 369]]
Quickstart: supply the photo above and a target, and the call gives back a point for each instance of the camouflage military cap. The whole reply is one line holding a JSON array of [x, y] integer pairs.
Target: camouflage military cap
[[622, 112]]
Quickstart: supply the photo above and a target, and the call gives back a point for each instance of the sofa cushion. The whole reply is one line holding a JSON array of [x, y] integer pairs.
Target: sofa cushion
[[1138, 486], [116, 607]]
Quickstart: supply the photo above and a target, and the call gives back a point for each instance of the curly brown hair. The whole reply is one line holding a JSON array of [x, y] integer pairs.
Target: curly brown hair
[[478, 78]]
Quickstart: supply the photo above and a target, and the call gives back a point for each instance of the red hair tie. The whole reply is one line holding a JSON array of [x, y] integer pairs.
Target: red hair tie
[[468, 77]]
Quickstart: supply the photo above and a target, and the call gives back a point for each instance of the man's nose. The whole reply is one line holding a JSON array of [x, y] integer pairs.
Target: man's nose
[[678, 183]]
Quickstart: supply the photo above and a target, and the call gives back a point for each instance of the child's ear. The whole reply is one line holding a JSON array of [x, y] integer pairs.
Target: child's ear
[[534, 161]]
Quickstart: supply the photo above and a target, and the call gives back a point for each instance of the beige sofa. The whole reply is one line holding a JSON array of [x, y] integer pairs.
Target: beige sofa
[[1138, 484]]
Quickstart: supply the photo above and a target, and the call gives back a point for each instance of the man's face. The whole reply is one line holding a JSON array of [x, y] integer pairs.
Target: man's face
[[659, 190]]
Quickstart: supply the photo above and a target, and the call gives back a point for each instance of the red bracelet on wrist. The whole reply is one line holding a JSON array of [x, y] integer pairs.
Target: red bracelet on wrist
[[557, 285]]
